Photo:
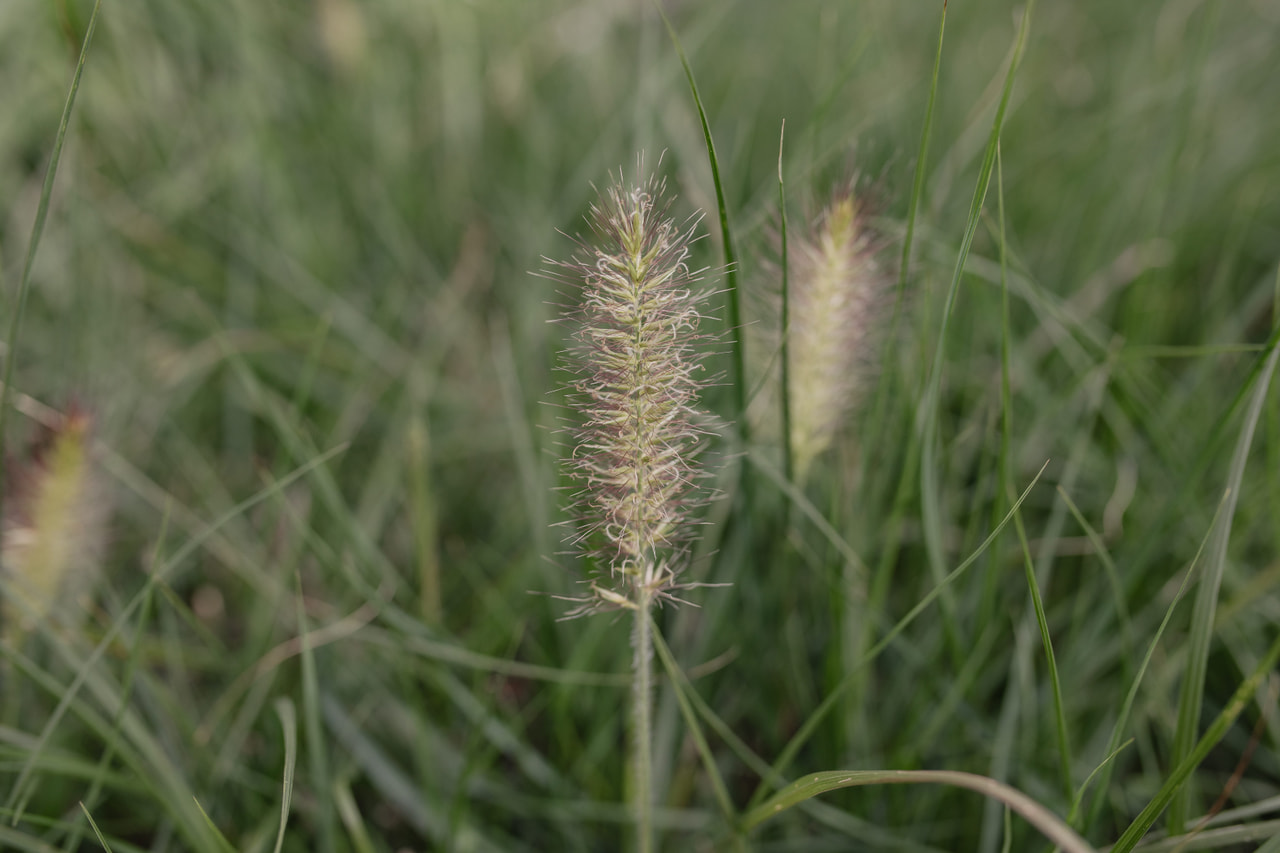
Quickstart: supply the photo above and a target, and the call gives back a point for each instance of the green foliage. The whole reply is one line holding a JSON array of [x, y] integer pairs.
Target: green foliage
[[285, 269]]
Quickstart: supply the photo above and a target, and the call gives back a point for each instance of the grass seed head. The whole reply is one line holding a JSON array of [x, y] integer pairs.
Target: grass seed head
[[53, 530], [838, 294], [637, 374]]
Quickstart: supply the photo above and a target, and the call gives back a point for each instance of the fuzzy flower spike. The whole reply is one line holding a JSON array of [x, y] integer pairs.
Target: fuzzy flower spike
[[636, 387], [636, 384], [837, 301]]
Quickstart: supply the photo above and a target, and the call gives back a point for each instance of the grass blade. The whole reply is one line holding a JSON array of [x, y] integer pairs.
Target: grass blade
[[316, 745], [785, 320], [730, 259], [1169, 790], [810, 725], [142, 595], [922, 159], [37, 231], [1201, 631], [222, 844], [814, 784], [94, 826], [289, 724], [1051, 662], [681, 686], [929, 486]]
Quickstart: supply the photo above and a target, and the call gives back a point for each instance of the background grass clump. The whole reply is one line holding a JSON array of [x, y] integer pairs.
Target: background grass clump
[[286, 276]]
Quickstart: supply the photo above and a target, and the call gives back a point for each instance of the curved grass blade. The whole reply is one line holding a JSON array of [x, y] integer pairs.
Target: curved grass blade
[[317, 748], [289, 723], [345, 803], [679, 682], [813, 784], [922, 159], [158, 575], [37, 231], [1201, 632], [1122, 718], [827, 815], [223, 844], [1006, 436], [785, 320], [931, 503], [810, 725], [1055, 681], [730, 259], [1169, 790], [94, 826]]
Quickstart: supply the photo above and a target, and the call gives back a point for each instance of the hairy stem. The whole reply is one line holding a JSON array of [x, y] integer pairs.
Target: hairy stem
[[642, 722]]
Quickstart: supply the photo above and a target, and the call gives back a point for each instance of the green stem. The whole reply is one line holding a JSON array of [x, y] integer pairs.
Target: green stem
[[642, 721]]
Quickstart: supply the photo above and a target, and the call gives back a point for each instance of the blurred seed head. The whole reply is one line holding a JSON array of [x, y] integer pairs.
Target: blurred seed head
[[637, 374], [838, 295], [53, 529]]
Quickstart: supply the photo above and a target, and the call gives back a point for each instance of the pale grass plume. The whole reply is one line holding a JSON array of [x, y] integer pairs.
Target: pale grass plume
[[838, 293], [53, 528], [637, 372]]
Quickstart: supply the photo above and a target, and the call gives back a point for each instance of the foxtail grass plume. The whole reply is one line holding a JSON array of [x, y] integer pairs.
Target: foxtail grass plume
[[52, 530], [837, 295], [636, 369], [637, 377]]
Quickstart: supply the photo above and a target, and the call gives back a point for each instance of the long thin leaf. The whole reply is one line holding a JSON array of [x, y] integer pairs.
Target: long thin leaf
[[730, 258], [1201, 632], [785, 321], [317, 746], [94, 826], [811, 724], [127, 613], [1241, 698], [223, 844], [931, 502], [289, 724], [1051, 662], [922, 159], [813, 784], [37, 231], [695, 730], [1126, 707]]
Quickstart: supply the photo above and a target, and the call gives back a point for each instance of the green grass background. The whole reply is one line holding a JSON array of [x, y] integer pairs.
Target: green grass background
[[284, 228]]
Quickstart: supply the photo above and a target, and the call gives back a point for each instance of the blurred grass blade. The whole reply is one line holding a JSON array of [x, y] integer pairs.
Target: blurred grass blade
[[1178, 777], [922, 159], [795, 496], [784, 320], [345, 802], [813, 784], [1201, 631], [132, 666], [317, 746], [730, 259], [37, 231], [680, 684], [1126, 707], [930, 490], [223, 845], [159, 574], [94, 826], [1006, 486], [1051, 662], [289, 724], [811, 724]]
